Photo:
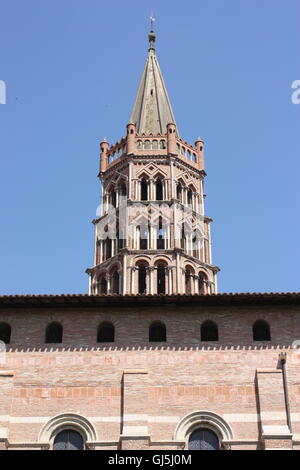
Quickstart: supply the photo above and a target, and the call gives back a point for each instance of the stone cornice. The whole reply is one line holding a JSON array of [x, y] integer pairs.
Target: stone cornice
[[85, 300]]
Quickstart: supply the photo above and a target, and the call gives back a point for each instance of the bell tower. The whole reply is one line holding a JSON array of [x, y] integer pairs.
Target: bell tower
[[152, 236]]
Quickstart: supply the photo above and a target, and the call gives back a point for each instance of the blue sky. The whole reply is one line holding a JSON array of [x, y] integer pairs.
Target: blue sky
[[72, 68]]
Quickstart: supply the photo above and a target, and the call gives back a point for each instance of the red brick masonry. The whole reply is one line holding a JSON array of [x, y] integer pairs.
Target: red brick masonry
[[132, 394]]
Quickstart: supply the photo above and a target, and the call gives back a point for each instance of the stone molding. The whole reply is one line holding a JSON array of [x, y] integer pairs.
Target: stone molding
[[67, 420], [203, 418]]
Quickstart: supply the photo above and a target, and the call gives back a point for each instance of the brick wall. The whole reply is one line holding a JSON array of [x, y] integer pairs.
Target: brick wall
[[171, 380]]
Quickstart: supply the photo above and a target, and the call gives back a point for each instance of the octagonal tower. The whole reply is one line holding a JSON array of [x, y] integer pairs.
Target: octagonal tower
[[152, 236]]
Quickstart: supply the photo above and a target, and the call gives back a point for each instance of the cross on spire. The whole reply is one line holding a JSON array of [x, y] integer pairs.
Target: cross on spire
[[152, 19]]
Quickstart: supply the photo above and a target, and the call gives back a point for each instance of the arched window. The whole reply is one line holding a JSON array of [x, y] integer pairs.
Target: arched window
[[159, 190], [179, 192], [154, 145], [209, 331], [203, 439], [188, 281], [188, 154], [106, 333], [108, 248], [142, 279], [160, 236], [68, 440], [190, 197], [161, 279], [157, 333], [147, 144], [139, 144], [202, 283], [261, 331], [54, 333], [5, 333], [144, 190], [162, 144], [115, 283], [103, 286]]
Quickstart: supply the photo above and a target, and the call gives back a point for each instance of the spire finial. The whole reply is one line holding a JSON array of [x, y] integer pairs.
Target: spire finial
[[152, 19], [152, 34]]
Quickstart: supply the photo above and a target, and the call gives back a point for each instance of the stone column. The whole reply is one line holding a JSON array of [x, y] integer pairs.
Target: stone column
[[178, 283], [151, 189], [108, 283], [151, 286], [129, 178], [196, 284], [124, 274], [152, 237], [170, 284]]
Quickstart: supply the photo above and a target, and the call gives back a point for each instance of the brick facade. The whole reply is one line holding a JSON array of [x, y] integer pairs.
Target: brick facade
[[137, 395]]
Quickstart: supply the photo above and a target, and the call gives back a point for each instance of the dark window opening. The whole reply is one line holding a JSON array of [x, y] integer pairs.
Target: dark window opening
[[113, 199], [144, 190], [203, 439], [68, 440], [261, 331], [157, 333], [179, 191], [182, 242], [188, 282], [159, 190], [5, 333], [121, 243], [115, 283], [201, 284], [142, 280], [54, 333], [106, 333], [190, 197], [108, 248], [209, 331], [161, 280], [103, 286]]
